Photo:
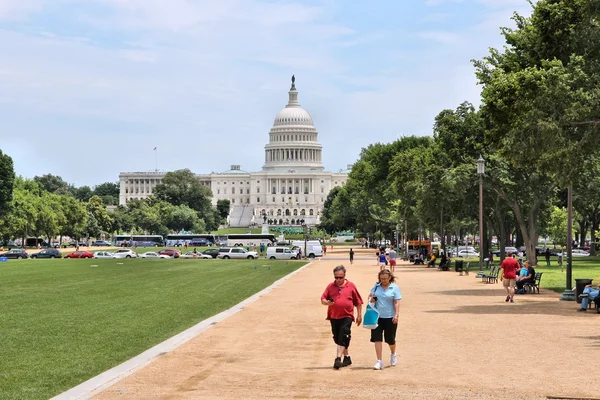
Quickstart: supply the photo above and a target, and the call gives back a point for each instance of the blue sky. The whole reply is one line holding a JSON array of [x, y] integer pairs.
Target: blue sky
[[89, 87]]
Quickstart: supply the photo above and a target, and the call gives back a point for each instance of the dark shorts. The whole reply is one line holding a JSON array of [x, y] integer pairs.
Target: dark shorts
[[385, 327], [340, 328]]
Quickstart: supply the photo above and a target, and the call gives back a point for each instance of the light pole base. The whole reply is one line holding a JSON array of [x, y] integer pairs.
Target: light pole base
[[568, 295]]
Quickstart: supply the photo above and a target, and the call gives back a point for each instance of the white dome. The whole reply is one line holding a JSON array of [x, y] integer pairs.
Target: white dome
[[293, 116]]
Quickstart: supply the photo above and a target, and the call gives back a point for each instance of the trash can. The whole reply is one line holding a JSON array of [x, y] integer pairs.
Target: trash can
[[579, 286], [458, 265]]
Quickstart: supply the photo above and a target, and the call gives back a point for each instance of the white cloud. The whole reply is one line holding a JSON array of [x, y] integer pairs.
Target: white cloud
[[10, 9]]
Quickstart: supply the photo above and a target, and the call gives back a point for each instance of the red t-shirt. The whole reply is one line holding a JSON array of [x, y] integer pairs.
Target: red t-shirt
[[345, 298], [510, 267]]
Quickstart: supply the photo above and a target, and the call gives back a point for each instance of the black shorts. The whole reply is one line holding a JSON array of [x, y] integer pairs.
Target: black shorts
[[340, 328], [385, 327]]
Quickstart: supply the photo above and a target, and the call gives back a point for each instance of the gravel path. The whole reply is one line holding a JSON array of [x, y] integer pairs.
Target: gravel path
[[457, 339]]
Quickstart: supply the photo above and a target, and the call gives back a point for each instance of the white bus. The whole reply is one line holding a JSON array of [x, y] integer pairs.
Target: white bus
[[250, 239]]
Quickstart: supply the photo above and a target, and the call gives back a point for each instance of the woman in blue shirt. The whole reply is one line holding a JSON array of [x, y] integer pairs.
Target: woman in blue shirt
[[386, 295]]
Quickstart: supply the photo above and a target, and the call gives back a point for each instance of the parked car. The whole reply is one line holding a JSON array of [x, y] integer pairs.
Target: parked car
[[80, 254], [170, 252], [191, 254], [237, 253], [15, 253], [125, 253], [467, 253], [153, 254], [102, 243], [47, 253], [513, 250], [577, 253], [213, 252], [281, 253], [104, 254]]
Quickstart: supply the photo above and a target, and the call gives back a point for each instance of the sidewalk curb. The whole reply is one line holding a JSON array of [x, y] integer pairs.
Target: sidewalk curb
[[99, 383]]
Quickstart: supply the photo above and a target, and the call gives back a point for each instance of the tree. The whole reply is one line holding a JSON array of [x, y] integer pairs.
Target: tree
[[52, 183], [50, 217], [223, 206], [109, 193], [76, 217], [7, 180], [97, 211], [183, 188], [83, 193], [327, 224]]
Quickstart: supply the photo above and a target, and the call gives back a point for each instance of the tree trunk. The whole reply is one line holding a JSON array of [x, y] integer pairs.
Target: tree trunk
[[520, 239], [528, 229], [593, 238], [582, 232]]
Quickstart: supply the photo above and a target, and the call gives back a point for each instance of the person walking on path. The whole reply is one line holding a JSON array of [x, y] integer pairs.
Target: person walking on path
[[382, 260], [392, 256], [547, 254], [509, 276], [386, 295], [340, 297], [351, 256]]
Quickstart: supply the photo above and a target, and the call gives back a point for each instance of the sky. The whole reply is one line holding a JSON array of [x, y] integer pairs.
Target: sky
[[88, 88]]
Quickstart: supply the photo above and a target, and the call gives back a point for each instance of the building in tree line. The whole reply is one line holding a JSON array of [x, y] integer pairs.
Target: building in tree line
[[290, 189]]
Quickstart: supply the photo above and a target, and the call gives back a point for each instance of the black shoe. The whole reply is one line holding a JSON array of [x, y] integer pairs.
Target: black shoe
[[582, 310], [337, 363], [507, 299], [347, 361]]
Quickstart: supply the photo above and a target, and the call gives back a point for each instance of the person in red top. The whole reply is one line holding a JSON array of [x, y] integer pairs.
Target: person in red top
[[509, 275], [340, 297]]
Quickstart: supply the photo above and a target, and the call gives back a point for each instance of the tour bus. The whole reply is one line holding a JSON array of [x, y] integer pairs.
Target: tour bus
[[139, 240], [193, 239], [251, 239]]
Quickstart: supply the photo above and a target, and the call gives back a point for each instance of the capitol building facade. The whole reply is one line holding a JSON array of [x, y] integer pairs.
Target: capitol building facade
[[291, 188]]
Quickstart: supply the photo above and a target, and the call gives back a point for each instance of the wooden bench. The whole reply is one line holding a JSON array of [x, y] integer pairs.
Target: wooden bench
[[492, 277], [531, 287]]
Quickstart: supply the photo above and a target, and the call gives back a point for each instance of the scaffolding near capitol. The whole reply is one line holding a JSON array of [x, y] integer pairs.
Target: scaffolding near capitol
[[291, 188]]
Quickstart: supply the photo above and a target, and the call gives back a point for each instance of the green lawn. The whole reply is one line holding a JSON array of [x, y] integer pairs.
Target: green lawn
[[65, 321], [554, 278]]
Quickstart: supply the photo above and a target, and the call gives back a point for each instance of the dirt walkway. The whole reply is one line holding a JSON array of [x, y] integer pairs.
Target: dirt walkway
[[457, 339]]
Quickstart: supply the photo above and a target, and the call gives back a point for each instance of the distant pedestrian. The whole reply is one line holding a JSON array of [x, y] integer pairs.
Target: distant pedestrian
[[341, 297], [392, 257], [324, 249], [509, 275], [386, 295], [382, 260], [351, 256], [547, 254]]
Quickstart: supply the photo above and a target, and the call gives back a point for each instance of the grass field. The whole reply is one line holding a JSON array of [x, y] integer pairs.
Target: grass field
[[554, 278], [65, 321]]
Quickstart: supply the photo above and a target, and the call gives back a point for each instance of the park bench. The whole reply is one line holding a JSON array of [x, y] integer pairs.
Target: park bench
[[492, 277], [531, 287]]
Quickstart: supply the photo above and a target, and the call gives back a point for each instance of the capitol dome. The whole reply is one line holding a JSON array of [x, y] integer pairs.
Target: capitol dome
[[293, 140], [293, 116]]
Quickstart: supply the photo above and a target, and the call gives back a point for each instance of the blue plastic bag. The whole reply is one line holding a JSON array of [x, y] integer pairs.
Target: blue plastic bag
[[371, 317]]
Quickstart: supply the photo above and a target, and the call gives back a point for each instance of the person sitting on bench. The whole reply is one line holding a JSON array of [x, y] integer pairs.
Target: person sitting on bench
[[589, 294], [524, 279], [431, 262]]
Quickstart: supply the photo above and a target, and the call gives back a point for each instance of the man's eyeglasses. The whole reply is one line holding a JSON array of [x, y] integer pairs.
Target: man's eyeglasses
[[339, 277]]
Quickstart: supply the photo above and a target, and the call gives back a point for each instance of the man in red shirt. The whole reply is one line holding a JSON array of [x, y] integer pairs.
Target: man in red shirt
[[340, 297], [509, 275]]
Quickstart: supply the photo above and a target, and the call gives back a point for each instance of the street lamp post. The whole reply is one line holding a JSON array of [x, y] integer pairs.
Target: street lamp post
[[480, 172]]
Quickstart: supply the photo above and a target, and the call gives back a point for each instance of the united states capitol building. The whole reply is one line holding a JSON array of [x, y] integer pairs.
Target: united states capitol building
[[291, 188]]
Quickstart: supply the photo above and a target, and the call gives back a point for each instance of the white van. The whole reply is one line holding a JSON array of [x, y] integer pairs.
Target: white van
[[281, 253], [313, 247]]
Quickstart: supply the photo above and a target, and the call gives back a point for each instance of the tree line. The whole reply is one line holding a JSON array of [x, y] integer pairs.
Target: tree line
[[46, 206], [537, 129]]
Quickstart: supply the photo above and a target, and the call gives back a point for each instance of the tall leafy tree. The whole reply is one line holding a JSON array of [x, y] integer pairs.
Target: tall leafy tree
[[97, 211], [53, 183], [223, 206], [7, 180], [108, 192]]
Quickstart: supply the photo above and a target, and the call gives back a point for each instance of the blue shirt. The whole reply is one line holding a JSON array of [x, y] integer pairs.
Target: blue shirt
[[385, 300], [382, 258]]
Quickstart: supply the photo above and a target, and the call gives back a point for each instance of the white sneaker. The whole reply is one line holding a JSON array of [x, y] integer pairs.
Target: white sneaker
[[393, 360], [378, 365]]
